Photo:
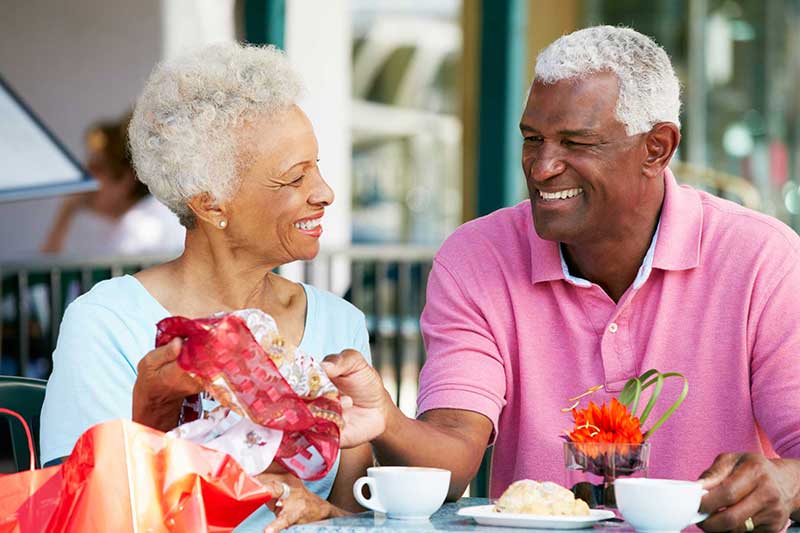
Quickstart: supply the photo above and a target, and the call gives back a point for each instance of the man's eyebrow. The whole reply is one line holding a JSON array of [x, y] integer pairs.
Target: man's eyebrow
[[579, 133]]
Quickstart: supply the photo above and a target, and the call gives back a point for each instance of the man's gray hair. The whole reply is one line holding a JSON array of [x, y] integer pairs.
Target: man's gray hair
[[183, 134], [649, 91]]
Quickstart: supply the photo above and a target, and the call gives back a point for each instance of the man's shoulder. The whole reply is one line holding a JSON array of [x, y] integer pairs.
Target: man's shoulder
[[505, 231], [739, 228]]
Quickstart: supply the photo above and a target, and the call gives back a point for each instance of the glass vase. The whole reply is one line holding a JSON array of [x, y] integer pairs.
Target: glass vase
[[591, 469]]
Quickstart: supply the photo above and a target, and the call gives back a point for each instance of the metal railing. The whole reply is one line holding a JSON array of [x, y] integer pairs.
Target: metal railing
[[386, 282]]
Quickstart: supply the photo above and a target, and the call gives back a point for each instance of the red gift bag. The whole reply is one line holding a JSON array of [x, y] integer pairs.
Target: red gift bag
[[125, 477]]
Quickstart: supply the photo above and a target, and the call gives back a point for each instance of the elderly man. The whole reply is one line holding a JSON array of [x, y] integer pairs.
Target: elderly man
[[611, 268]]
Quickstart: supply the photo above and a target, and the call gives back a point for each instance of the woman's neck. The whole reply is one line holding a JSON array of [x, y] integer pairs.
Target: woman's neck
[[214, 278]]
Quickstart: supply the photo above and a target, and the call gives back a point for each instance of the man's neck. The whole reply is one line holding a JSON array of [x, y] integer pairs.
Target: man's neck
[[613, 264]]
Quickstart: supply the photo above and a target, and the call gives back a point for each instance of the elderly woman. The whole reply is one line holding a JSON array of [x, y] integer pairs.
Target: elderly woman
[[217, 137]]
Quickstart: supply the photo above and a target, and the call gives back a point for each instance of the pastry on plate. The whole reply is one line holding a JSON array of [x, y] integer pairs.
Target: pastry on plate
[[540, 498]]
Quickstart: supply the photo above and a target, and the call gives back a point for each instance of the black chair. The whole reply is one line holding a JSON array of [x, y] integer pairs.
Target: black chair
[[24, 396]]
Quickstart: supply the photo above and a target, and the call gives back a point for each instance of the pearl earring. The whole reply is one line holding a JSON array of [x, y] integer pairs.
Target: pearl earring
[[223, 224]]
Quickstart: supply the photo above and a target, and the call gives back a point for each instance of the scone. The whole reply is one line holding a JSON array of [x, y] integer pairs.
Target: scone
[[532, 497]]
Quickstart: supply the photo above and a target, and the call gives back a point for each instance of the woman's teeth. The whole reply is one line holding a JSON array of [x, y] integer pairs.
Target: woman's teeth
[[308, 224], [560, 195]]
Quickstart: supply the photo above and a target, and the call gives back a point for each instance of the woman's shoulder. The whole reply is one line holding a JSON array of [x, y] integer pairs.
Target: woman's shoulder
[[123, 298], [333, 324], [330, 306]]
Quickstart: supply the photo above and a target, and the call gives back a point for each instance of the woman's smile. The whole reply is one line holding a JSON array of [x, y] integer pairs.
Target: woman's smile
[[310, 226]]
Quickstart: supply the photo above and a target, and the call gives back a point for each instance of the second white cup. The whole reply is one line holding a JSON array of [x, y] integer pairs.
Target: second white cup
[[403, 492], [659, 505]]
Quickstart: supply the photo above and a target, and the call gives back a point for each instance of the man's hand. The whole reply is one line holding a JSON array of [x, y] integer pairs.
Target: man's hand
[[365, 402], [161, 385], [746, 485]]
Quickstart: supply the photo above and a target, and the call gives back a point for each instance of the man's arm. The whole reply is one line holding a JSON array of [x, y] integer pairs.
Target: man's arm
[[462, 387], [452, 439], [747, 485]]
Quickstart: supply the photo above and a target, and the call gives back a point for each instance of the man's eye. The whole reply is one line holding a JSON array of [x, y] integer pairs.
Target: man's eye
[[574, 143], [534, 139], [297, 180]]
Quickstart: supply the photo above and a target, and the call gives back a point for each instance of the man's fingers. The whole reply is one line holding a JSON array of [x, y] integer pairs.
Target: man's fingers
[[733, 518], [721, 468], [343, 364], [740, 481]]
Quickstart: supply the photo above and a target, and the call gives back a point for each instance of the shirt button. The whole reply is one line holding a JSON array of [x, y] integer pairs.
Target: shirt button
[[613, 327]]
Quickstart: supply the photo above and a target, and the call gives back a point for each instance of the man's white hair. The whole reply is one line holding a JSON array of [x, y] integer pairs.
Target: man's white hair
[[649, 91], [183, 134]]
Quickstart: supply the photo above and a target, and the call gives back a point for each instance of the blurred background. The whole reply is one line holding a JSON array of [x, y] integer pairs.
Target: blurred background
[[416, 106]]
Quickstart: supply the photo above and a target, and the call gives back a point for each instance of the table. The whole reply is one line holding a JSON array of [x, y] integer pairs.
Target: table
[[445, 519]]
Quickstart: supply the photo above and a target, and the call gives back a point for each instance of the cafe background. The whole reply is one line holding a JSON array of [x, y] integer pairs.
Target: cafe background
[[416, 106]]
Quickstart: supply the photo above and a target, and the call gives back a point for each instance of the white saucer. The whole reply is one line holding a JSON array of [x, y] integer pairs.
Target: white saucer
[[487, 516]]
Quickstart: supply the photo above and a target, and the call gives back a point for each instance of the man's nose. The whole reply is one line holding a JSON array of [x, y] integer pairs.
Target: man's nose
[[545, 162]]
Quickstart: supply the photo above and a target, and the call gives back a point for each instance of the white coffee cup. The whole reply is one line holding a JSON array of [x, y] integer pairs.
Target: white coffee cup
[[403, 492], [659, 505]]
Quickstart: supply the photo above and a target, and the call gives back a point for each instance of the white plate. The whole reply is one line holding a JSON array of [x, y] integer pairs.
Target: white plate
[[486, 515]]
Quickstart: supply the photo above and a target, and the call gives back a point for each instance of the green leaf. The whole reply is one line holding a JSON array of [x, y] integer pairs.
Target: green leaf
[[659, 383], [678, 402]]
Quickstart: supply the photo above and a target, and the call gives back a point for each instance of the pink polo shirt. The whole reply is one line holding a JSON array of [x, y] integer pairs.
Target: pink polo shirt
[[510, 337]]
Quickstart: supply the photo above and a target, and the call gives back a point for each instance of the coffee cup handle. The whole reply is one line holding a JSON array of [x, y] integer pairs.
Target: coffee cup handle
[[699, 517], [372, 502]]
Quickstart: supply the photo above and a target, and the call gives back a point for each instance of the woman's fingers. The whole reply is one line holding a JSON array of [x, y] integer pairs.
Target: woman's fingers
[[164, 354], [286, 516]]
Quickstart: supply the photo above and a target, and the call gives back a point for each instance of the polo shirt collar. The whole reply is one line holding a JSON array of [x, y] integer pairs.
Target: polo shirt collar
[[681, 231], [675, 245]]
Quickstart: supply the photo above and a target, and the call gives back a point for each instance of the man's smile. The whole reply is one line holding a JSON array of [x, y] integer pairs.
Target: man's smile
[[563, 194]]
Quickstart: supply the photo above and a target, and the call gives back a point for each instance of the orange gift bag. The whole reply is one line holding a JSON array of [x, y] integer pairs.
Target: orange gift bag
[[125, 477]]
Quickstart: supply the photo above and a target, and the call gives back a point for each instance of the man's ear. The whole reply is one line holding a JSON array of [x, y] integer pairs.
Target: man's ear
[[660, 143], [207, 209]]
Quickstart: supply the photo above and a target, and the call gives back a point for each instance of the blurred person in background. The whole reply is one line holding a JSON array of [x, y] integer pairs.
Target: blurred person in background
[[120, 218], [218, 138]]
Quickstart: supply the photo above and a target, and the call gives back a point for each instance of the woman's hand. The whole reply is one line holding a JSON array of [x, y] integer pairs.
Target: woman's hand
[[300, 506], [161, 385]]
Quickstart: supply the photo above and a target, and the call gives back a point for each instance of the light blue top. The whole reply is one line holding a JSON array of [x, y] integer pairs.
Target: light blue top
[[107, 331]]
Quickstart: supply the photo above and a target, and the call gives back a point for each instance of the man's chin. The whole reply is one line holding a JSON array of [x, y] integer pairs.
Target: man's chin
[[551, 231]]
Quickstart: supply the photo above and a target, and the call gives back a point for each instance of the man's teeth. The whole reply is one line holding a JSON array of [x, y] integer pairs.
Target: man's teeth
[[308, 224], [560, 195]]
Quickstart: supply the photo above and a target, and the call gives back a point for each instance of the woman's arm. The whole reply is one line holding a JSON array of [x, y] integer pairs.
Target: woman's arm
[[353, 465]]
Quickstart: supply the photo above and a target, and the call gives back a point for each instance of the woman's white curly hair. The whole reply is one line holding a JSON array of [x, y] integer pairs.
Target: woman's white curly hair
[[649, 91], [183, 134]]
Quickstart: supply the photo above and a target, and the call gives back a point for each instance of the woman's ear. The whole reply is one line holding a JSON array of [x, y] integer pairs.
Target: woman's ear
[[660, 143], [207, 209]]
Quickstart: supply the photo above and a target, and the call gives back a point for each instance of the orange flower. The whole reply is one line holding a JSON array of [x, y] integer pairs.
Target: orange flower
[[611, 424]]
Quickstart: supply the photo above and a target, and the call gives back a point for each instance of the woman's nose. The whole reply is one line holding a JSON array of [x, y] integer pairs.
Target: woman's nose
[[322, 194]]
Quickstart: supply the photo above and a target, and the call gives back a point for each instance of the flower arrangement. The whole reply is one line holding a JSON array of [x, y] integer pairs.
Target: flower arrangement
[[608, 441]]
